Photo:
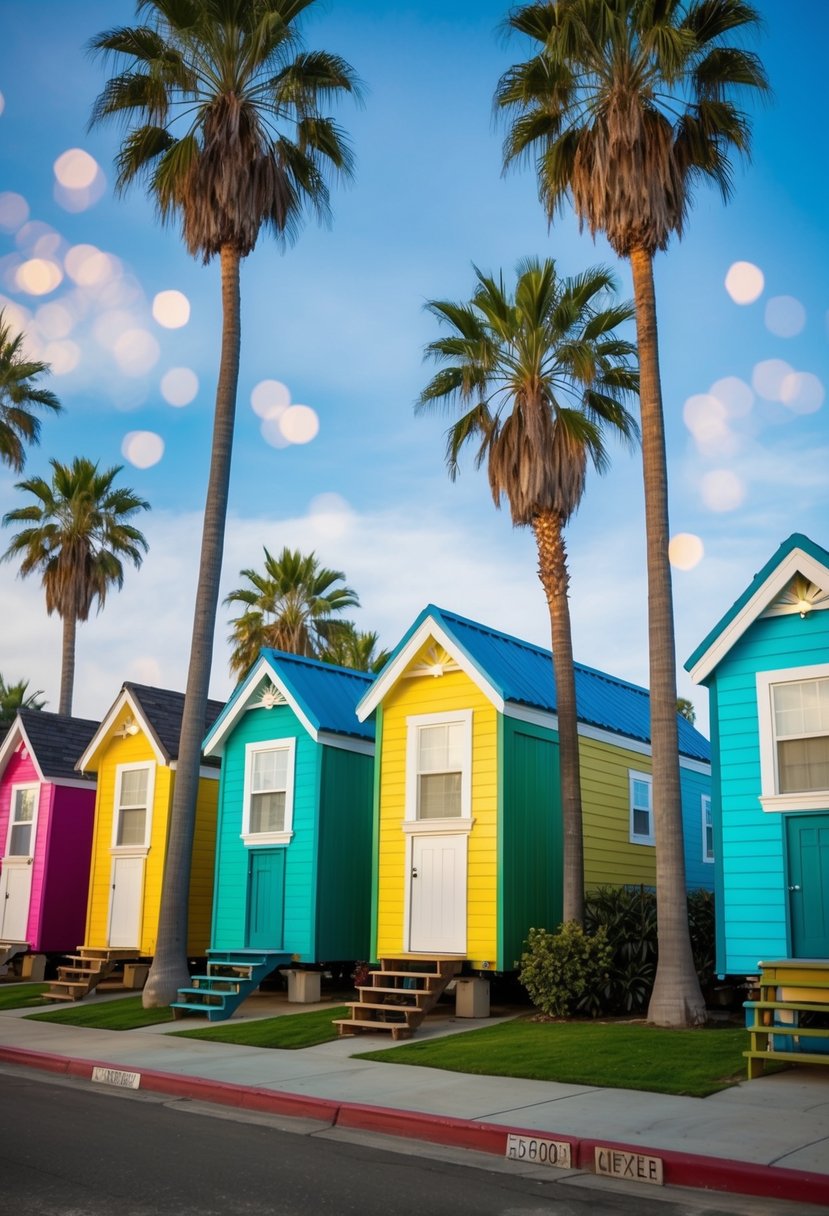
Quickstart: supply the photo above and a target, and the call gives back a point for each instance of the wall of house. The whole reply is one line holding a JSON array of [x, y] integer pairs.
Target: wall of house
[[21, 771], [429, 695], [755, 921], [66, 861], [344, 884]]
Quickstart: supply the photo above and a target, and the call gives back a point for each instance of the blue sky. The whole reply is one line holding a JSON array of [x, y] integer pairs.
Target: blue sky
[[339, 320]]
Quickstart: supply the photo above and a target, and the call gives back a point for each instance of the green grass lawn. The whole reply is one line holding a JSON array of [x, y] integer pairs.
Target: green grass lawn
[[125, 1013], [21, 996], [618, 1054], [289, 1032]]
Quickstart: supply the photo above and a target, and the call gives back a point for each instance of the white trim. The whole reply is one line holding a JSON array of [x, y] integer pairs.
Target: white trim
[[17, 788], [284, 836], [438, 827], [796, 562], [122, 702], [705, 811], [647, 778], [16, 736], [414, 723], [346, 743], [769, 798], [215, 739], [133, 848], [535, 717], [429, 628]]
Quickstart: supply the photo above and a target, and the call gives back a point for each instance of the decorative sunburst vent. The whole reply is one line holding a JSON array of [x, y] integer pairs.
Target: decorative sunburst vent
[[270, 696], [433, 662], [801, 595]]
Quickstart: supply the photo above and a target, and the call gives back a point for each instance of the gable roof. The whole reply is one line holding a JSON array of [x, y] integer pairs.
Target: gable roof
[[323, 696], [158, 713], [515, 673], [54, 742], [797, 555]]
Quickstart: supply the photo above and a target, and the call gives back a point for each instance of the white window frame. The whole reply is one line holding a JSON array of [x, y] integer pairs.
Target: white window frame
[[707, 820], [15, 790], [137, 850], [254, 839], [456, 823], [638, 837], [770, 799]]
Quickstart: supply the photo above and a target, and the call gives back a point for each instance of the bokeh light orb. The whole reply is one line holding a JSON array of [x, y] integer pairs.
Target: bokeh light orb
[[76, 169], [136, 352], [768, 376], [14, 211], [142, 448], [39, 276], [179, 386], [744, 282], [62, 356], [299, 424], [685, 551], [171, 309], [722, 490], [802, 392], [785, 316], [269, 398], [88, 266], [2, 103], [272, 433], [734, 395]]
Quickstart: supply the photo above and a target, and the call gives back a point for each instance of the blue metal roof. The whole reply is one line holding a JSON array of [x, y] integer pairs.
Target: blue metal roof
[[328, 694], [523, 674]]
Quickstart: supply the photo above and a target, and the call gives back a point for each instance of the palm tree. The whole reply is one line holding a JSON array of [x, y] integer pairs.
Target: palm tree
[[19, 395], [347, 646], [76, 536], [289, 606], [224, 119], [17, 696], [685, 709], [539, 377], [625, 107]]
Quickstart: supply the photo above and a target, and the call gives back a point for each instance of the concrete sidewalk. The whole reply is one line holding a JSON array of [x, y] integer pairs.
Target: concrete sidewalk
[[768, 1137]]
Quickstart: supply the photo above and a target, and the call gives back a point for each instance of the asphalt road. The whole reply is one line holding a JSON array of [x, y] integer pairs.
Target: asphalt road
[[70, 1149]]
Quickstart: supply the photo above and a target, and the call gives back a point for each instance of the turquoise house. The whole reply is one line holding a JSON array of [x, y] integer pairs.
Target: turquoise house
[[766, 667], [293, 836]]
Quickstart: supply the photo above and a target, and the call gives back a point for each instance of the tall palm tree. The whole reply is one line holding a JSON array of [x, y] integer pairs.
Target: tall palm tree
[[17, 696], [540, 377], [625, 107], [19, 395], [77, 535], [348, 646], [223, 110], [290, 605]]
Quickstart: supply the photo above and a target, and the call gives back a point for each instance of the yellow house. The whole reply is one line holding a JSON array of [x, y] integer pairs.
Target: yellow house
[[134, 755]]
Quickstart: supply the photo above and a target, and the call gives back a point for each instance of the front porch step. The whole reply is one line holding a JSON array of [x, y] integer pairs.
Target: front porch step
[[399, 995], [86, 970], [231, 977]]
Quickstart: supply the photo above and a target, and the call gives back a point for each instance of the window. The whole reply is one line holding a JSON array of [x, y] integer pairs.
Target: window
[[269, 779], [439, 767], [793, 711], [21, 821], [707, 830], [641, 815], [132, 806]]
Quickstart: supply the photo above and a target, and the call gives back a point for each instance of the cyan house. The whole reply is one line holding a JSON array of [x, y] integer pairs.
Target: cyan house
[[766, 667], [467, 834]]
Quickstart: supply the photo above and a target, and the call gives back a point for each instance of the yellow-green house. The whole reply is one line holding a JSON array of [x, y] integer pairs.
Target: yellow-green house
[[134, 754], [467, 824]]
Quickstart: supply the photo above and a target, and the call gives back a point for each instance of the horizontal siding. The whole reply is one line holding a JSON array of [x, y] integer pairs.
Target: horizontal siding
[[609, 856]]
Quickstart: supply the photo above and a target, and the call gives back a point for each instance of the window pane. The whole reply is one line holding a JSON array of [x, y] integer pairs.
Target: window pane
[[134, 787], [267, 813], [20, 840], [270, 770], [440, 747], [801, 708], [440, 796], [132, 825], [24, 806], [803, 764], [642, 795], [641, 822]]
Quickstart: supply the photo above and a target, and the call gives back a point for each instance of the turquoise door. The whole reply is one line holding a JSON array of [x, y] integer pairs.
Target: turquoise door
[[808, 848], [266, 899]]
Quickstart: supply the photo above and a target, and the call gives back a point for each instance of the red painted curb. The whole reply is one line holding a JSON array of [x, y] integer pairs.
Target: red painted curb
[[679, 1169]]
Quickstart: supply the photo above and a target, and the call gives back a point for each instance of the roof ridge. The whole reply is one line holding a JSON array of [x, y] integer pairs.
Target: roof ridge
[[319, 664]]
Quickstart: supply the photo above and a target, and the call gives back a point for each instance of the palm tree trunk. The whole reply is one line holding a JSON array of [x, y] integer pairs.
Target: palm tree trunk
[[676, 999], [67, 666], [169, 969], [555, 579]]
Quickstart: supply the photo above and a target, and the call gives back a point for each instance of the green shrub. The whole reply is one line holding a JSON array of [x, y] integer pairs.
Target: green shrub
[[566, 972], [627, 916]]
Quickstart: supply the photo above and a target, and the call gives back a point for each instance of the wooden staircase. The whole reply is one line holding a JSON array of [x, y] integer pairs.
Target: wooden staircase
[[232, 975], [87, 970], [398, 996]]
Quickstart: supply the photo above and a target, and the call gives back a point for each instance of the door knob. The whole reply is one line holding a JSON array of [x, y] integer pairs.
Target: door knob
[[795, 887], [414, 872]]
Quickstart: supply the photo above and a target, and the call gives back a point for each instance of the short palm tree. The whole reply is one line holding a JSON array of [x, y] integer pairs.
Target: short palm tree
[[77, 534], [540, 377], [17, 696], [347, 646], [224, 114], [290, 605], [624, 108], [19, 396]]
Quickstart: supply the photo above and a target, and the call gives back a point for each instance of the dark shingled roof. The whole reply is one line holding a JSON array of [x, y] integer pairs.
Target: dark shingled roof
[[58, 742], [163, 710]]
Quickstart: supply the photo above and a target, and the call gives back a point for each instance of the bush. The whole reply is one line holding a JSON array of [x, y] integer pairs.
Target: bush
[[565, 972]]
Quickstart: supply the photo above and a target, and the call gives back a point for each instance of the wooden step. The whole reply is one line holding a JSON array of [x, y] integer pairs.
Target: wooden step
[[397, 1030], [418, 995]]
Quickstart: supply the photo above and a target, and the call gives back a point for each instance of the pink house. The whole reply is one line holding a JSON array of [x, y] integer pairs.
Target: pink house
[[46, 816]]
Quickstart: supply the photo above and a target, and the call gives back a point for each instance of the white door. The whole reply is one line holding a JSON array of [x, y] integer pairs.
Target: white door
[[437, 906], [126, 900], [15, 892]]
